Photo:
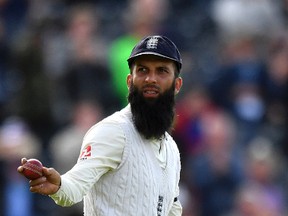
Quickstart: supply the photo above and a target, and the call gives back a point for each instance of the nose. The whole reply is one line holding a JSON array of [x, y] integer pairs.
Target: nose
[[151, 78]]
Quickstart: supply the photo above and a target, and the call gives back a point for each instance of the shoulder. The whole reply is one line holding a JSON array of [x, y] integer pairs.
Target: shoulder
[[110, 127], [122, 116]]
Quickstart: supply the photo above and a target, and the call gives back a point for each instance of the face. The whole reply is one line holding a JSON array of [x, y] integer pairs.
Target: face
[[153, 75], [152, 88]]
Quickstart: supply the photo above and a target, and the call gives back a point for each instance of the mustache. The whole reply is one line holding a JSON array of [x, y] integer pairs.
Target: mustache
[[151, 86]]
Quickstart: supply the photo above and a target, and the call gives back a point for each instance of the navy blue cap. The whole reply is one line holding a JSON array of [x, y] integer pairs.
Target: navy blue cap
[[159, 46]]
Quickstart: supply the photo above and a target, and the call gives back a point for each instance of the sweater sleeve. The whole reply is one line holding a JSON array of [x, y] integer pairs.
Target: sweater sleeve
[[176, 209], [101, 151]]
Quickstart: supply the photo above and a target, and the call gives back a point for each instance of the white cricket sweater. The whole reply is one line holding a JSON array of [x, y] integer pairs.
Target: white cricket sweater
[[138, 186]]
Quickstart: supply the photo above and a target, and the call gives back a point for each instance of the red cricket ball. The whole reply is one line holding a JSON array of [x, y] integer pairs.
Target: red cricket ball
[[32, 169]]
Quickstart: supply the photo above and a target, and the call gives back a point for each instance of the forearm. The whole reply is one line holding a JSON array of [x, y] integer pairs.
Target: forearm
[[75, 184]]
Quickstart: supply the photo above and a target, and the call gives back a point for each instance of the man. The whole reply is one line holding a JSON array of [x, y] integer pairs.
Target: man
[[129, 164]]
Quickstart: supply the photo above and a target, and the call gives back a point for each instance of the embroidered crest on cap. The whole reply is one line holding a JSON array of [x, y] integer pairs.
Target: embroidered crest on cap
[[152, 43]]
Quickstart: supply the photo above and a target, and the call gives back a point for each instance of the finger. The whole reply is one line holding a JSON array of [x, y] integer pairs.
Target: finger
[[20, 169], [46, 171], [50, 172], [23, 160], [37, 188], [38, 181]]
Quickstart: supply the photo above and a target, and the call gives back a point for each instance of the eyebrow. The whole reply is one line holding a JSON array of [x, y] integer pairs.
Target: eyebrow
[[139, 65], [160, 66]]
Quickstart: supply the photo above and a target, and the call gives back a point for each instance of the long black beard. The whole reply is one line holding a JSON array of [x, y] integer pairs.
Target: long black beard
[[152, 118]]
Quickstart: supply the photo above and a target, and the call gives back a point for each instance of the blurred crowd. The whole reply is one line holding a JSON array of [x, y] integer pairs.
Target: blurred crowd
[[63, 68]]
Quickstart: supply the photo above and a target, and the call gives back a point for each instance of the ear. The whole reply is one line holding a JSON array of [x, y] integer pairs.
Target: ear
[[128, 80], [178, 84]]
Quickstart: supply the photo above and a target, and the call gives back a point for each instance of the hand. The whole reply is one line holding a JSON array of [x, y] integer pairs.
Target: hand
[[48, 184]]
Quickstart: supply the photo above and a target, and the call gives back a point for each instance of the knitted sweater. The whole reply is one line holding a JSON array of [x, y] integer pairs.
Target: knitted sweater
[[121, 173]]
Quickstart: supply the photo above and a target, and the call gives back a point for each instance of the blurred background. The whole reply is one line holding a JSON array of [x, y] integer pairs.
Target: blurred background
[[63, 68]]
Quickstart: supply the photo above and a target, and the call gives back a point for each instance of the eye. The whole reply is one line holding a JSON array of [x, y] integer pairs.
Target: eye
[[163, 70], [142, 70]]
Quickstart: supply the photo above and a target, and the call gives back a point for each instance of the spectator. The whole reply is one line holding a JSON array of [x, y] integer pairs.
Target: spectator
[[32, 97], [191, 109], [65, 144], [262, 189], [216, 172], [16, 140], [77, 37], [137, 25], [238, 86], [276, 93], [77, 63]]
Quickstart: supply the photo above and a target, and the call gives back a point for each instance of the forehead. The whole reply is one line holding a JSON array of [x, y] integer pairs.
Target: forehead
[[145, 59]]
